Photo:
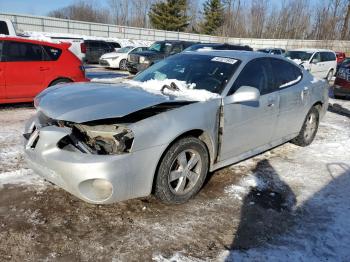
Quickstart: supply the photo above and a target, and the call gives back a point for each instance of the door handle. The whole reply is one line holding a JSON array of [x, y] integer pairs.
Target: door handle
[[43, 68], [271, 104]]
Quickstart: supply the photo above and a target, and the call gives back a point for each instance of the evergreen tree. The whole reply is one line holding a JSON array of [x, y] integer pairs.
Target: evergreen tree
[[213, 11], [169, 15]]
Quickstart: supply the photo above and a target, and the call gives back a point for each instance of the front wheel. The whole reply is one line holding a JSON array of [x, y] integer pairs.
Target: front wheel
[[122, 65], [329, 75], [182, 171], [309, 129]]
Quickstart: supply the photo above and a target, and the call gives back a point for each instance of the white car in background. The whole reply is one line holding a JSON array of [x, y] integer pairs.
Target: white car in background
[[321, 63], [118, 59]]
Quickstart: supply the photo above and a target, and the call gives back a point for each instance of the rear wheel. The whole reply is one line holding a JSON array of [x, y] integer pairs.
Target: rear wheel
[[122, 65], [309, 129], [60, 81], [182, 171]]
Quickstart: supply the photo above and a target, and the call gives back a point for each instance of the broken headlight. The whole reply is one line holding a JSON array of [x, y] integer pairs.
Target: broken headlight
[[101, 139]]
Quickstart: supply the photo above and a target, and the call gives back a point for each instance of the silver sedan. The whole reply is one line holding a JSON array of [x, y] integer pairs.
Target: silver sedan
[[163, 131]]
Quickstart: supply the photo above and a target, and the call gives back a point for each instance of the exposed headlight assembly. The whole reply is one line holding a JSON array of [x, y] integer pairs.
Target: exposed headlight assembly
[[144, 60], [99, 139]]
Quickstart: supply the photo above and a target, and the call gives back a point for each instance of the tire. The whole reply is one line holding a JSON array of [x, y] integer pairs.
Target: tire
[[60, 81], [122, 65], [309, 129], [329, 75], [182, 171]]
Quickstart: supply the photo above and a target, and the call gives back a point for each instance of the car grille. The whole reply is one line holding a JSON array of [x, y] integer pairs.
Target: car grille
[[104, 63], [344, 74], [134, 58]]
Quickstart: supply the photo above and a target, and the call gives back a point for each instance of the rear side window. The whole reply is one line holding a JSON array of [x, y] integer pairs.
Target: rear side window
[[18, 51], [3, 28], [327, 56], [115, 45], [256, 73], [285, 73], [51, 53]]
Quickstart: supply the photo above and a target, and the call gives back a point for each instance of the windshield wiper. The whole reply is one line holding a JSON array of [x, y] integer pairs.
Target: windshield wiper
[[172, 87]]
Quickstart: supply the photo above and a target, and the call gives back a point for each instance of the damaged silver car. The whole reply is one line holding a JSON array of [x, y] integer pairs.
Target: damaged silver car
[[163, 131]]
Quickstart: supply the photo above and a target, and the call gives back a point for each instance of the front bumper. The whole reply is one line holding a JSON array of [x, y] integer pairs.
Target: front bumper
[[131, 175], [136, 67], [104, 62]]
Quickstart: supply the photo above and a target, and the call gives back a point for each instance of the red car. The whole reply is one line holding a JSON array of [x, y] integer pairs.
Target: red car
[[340, 57], [342, 81], [29, 66]]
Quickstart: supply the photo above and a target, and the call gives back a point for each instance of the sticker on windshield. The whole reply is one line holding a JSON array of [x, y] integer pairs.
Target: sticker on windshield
[[225, 60]]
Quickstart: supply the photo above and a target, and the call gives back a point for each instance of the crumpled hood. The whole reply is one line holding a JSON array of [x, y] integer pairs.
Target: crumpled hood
[[85, 102]]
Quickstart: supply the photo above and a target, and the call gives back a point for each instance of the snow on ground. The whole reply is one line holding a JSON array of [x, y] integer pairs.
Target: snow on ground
[[12, 170]]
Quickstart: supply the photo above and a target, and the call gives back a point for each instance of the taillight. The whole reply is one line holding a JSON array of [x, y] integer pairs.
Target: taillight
[[83, 48]]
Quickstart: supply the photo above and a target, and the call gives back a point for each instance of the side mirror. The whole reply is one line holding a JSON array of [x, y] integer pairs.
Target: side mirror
[[244, 94]]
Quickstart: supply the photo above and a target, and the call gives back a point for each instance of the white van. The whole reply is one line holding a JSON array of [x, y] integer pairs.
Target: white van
[[321, 63]]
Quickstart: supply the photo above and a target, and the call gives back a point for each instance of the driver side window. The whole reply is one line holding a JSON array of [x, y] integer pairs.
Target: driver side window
[[256, 73]]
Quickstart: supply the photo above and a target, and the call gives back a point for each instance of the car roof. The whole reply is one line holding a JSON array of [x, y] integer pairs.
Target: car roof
[[312, 50], [236, 54], [34, 41]]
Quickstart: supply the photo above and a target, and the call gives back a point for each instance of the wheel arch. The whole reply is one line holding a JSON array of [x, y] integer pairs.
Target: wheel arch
[[60, 78], [198, 133]]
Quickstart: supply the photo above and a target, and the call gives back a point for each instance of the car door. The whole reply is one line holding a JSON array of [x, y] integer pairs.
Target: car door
[[248, 126], [293, 97], [2, 73], [24, 69], [316, 66]]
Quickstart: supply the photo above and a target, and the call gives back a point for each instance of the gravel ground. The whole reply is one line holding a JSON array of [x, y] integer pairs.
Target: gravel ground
[[287, 204]]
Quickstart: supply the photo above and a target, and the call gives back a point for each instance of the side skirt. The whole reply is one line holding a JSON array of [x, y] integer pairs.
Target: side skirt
[[251, 153]]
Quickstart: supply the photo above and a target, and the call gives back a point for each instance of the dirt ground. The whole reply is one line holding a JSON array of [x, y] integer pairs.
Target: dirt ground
[[290, 203]]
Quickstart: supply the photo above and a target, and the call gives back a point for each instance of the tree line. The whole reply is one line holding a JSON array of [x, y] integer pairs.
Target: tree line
[[285, 19]]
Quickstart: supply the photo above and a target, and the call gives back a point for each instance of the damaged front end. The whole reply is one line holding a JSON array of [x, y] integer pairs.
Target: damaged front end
[[97, 139]]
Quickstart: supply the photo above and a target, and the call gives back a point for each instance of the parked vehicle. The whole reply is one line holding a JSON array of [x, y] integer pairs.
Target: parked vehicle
[[7, 28], [118, 58], [159, 50], [77, 44], [27, 67], [106, 143], [217, 46], [320, 62], [341, 86], [272, 51], [96, 48], [340, 57]]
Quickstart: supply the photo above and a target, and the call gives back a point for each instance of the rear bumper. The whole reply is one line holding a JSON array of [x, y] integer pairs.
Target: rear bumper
[[341, 91]]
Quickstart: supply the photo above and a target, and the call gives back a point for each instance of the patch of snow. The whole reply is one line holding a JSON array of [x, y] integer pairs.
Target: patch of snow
[[185, 92], [22, 177]]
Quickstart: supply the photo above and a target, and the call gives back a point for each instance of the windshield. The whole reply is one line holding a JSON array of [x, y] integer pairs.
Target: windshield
[[125, 49], [204, 71], [162, 47], [345, 63], [300, 55], [264, 50]]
